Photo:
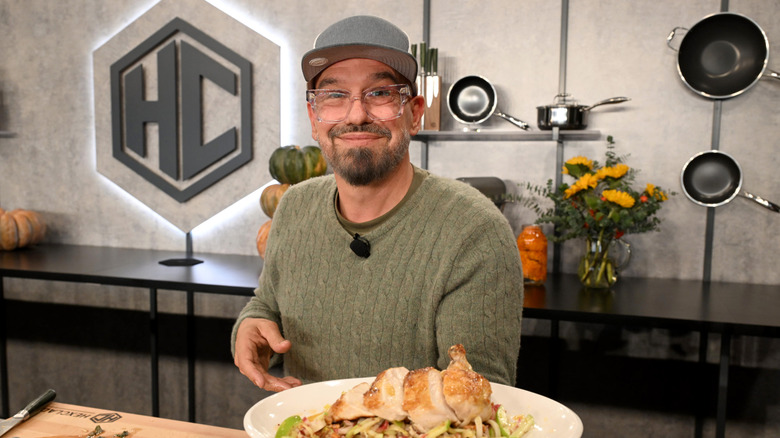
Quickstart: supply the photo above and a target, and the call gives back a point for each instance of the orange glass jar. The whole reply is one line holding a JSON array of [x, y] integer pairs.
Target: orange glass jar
[[532, 244]]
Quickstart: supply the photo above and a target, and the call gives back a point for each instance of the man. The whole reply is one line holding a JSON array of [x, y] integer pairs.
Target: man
[[380, 264]]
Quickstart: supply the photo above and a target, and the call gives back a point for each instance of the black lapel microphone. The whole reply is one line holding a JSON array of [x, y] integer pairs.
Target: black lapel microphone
[[360, 246]]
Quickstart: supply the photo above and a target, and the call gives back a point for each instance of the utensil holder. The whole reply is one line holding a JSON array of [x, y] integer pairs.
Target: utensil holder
[[432, 94]]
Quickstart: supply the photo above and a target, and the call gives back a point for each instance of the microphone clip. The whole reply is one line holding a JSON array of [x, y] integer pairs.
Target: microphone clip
[[360, 246]]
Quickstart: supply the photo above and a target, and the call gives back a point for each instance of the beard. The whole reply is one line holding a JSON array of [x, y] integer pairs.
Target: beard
[[363, 166]]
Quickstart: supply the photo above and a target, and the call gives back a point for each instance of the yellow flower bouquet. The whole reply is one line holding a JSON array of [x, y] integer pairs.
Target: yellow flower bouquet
[[601, 205]]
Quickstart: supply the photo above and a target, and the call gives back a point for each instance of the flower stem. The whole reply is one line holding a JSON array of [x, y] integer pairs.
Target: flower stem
[[595, 265], [601, 252], [588, 262]]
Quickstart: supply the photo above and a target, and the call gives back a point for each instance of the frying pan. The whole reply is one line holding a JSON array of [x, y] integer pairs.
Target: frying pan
[[712, 178], [472, 100], [722, 55]]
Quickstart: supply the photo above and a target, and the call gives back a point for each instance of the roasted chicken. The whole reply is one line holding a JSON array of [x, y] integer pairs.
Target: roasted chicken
[[385, 398], [350, 405], [424, 399], [465, 391], [427, 397]]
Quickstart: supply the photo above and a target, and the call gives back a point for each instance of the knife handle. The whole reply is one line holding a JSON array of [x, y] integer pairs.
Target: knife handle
[[38, 404]]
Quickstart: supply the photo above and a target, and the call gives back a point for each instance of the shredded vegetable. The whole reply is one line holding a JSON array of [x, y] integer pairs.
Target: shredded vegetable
[[374, 427]]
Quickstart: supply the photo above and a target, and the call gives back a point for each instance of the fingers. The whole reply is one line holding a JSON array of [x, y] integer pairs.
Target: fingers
[[273, 337], [276, 385], [292, 381], [265, 380], [256, 341], [249, 363]]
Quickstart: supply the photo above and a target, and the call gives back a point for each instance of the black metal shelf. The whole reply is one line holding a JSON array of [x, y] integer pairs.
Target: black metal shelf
[[570, 135]]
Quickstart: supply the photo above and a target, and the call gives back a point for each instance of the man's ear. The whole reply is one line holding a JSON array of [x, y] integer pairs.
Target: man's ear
[[418, 108], [313, 120]]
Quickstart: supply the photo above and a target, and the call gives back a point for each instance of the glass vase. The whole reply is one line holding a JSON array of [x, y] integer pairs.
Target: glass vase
[[598, 268]]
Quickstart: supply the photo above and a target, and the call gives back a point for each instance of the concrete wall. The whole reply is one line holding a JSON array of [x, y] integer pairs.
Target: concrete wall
[[615, 48]]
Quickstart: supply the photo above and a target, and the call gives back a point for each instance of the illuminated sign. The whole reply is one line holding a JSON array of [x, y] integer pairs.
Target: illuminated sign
[[181, 68], [186, 110]]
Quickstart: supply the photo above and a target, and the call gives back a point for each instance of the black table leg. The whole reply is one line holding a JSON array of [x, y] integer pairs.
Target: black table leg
[[153, 323], [191, 355], [723, 383], [555, 358], [701, 407], [5, 412]]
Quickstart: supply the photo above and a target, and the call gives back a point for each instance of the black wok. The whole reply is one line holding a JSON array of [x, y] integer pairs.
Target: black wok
[[723, 55], [712, 178], [472, 100]]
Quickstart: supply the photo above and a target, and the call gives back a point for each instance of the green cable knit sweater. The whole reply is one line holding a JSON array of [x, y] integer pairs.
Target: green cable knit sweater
[[444, 269]]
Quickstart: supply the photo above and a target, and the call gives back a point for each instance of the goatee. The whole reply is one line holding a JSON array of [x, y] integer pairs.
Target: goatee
[[363, 166]]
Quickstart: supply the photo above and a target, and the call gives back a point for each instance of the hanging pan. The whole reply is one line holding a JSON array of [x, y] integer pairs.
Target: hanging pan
[[713, 178], [472, 100], [723, 55]]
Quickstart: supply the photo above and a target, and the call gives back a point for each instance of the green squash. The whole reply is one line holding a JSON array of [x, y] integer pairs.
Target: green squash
[[293, 164]]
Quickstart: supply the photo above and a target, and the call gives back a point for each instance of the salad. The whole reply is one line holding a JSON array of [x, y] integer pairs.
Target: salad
[[316, 426], [422, 403]]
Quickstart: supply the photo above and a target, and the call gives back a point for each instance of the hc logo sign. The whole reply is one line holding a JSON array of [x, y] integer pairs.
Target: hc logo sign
[[170, 140]]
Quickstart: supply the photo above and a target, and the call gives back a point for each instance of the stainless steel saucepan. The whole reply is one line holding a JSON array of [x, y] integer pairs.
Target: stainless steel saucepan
[[565, 113]]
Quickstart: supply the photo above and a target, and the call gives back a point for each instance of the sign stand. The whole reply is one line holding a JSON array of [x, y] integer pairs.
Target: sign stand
[[188, 260]]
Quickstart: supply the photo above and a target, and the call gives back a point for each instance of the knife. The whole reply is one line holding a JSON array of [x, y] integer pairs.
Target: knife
[[29, 410]]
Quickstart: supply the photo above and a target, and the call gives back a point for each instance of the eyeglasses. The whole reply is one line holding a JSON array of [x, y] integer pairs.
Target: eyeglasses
[[380, 103]]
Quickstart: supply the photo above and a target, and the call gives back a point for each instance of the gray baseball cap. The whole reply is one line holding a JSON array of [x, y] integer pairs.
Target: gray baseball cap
[[361, 36]]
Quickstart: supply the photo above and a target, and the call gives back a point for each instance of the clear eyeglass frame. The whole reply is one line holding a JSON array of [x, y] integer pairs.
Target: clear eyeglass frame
[[312, 96]]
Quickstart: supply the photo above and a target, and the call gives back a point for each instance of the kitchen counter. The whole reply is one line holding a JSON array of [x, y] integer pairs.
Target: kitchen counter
[[707, 307], [736, 308], [741, 308], [216, 274], [62, 420]]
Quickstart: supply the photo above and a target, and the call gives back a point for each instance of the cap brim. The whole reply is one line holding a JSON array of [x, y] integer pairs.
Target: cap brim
[[317, 60]]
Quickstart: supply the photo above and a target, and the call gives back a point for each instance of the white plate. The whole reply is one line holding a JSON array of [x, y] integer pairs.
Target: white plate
[[261, 420]]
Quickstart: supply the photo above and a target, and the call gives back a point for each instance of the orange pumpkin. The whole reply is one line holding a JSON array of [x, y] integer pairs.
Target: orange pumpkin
[[20, 228], [270, 197], [262, 238]]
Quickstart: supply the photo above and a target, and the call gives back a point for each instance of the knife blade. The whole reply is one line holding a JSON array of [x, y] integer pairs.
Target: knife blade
[[28, 411]]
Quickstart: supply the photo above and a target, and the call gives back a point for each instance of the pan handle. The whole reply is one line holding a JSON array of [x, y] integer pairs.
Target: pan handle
[[671, 36], [772, 74], [519, 123], [607, 101], [768, 204]]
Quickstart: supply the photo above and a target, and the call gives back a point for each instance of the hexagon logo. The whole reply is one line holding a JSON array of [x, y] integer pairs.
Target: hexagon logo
[[181, 68], [178, 112]]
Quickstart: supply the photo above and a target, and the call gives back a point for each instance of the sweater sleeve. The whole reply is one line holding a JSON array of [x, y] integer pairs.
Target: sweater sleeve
[[484, 303], [263, 304]]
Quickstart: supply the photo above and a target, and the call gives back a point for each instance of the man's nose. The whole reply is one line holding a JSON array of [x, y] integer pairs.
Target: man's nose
[[356, 114]]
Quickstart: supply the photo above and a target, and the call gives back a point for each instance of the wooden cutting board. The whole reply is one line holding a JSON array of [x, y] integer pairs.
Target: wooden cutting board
[[59, 420]]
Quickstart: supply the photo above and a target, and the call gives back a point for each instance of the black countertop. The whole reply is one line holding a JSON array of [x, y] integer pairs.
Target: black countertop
[[751, 309], [716, 306], [219, 273]]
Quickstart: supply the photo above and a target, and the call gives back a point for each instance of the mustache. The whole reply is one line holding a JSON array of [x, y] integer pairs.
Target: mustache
[[370, 128]]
